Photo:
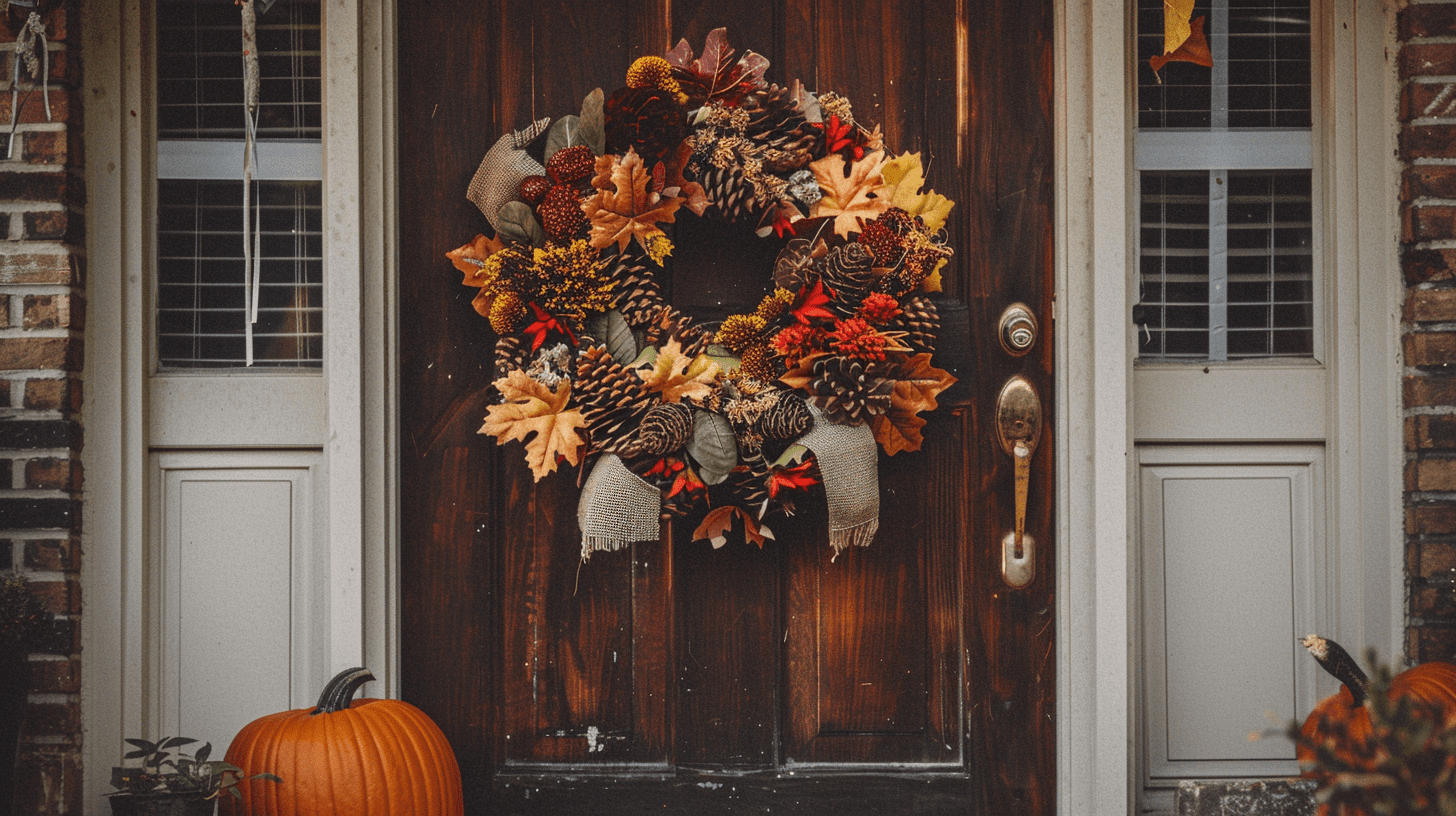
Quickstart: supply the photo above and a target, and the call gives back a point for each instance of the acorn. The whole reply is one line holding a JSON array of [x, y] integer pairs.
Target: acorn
[[533, 190], [560, 213], [571, 165]]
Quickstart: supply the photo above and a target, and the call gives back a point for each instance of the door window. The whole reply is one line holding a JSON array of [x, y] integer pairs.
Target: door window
[[213, 309]]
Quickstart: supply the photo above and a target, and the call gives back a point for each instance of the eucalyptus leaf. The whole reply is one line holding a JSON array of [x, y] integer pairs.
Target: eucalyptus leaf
[[611, 330], [593, 123], [564, 133], [792, 455], [713, 446], [516, 223], [647, 356]]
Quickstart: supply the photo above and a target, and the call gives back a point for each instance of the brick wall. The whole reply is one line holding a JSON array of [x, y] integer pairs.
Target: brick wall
[[42, 315]]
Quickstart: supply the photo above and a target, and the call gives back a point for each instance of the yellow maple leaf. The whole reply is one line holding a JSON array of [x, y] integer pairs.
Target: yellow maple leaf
[[536, 416], [904, 176], [679, 377], [623, 208], [851, 197], [1176, 28]]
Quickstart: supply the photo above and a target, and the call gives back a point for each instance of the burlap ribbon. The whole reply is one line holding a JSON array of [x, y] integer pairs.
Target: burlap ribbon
[[617, 507], [849, 463], [498, 179]]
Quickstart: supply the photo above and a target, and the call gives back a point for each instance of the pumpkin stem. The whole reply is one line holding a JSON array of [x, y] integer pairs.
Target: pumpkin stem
[[341, 689], [1333, 658]]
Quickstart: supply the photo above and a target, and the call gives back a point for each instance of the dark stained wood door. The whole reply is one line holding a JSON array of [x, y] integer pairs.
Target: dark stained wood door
[[904, 676]]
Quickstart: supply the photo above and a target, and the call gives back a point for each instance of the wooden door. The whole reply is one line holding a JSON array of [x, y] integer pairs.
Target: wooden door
[[906, 675]]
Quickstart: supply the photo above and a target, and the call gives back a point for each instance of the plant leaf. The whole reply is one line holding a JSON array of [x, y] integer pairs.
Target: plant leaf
[[593, 128], [852, 196], [917, 383], [715, 526], [904, 176], [536, 416], [1176, 28], [564, 132], [792, 454], [610, 329], [515, 222], [203, 752], [470, 258], [679, 377], [624, 208], [713, 446]]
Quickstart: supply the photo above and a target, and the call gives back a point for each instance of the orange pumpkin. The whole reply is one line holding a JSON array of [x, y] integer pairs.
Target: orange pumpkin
[[365, 758], [1342, 720]]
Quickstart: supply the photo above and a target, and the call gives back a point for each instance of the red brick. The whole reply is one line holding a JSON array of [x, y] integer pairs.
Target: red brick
[[1429, 180], [1430, 305], [1432, 432], [53, 225], [48, 781], [46, 186], [44, 147], [55, 676], [61, 597], [52, 719], [1432, 349], [59, 268], [1433, 519], [1427, 20], [47, 312], [1432, 475], [45, 395], [1427, 59], [1433, 602], [33, 108], [1427, 141], [22, 353], [4, 311], [50, 473], [50, 555], [1428, 222], [1424, 391], [1427, 643]]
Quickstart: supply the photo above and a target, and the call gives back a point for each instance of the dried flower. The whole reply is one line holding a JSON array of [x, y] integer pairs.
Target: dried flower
[[738, 331], [573, 280], [879, 308], [858, 339]]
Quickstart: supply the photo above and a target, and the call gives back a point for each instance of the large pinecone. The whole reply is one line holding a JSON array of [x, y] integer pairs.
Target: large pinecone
[[667, 324], [648, 120], [775, 122], [732, 197], [788, 418], [846, 270], [612, 397], [664, 429], [849, 391], [921, 323], [637, 294], [794, 268]]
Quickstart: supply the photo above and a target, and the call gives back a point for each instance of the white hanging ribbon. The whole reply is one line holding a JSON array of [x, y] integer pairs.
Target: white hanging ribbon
[[252, 284], [32, 34]]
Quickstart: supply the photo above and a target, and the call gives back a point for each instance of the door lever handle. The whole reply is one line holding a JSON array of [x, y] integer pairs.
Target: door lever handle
[[1018, 429]]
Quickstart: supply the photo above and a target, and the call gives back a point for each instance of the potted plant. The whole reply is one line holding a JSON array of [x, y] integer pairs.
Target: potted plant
[[25, 626], [170, 782]]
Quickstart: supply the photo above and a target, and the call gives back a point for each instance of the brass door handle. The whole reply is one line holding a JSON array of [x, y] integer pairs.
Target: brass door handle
[[1018, 429]]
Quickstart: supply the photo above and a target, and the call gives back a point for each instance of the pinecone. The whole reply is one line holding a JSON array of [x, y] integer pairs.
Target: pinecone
[[748, 483], [849, 391], [635, 291], [512, 351], [533, 190], [648, 120], [846, 270], [731, 195], [668, 323], [664, 429], [921, 323], [560, 213], [611, 396], [794, 266], [571, 165], [775, 123], [788, 418]]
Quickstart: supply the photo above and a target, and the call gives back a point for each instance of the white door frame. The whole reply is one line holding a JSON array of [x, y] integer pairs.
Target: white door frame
[[1097, 686], [355, 600]]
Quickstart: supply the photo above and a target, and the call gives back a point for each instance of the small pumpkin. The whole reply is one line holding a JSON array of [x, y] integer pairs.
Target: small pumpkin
[[367, 757], [1342, 718]]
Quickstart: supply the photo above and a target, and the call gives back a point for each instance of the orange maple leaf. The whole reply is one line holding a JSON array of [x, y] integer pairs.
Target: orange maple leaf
[[536, 416], [719, 521], [624, 208], [679, 377], [1194, 49], [917, 383], [470, 258], [852, 196]]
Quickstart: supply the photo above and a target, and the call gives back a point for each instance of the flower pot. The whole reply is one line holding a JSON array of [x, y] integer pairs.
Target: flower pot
[[192, 803]]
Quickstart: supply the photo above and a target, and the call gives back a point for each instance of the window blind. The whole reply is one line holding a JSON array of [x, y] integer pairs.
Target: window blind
[[202, 318], [1225, 266]]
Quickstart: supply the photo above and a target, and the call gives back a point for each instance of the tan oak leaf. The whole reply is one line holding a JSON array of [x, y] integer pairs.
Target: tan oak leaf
[[853, 196], [679, 377], [623, 207], [536, 416]]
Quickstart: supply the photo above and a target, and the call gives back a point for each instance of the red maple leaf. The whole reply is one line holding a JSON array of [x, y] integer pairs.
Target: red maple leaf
[[811, 304], [798, 477], [544, 325]]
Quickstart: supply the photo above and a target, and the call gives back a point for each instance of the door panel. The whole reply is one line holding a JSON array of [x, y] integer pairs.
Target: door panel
[[909, 662]]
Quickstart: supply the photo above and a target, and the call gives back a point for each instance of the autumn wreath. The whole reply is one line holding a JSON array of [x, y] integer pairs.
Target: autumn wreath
[[723, 421]]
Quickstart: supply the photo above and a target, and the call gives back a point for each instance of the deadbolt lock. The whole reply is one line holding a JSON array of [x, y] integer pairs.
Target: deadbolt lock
[[1018, 329]]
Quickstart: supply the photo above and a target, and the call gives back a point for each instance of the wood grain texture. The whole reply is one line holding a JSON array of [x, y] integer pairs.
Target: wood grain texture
[[910, 653]]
